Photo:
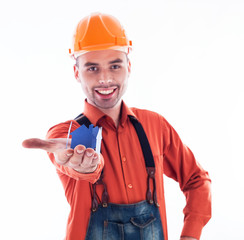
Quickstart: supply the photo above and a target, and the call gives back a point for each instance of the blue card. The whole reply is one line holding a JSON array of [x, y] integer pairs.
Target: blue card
[[89, 137]]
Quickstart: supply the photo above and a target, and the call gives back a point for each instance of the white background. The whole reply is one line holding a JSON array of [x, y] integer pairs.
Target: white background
[[187, 64]]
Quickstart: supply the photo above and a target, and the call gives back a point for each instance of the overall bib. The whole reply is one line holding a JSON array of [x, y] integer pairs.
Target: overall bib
[[138, 221]]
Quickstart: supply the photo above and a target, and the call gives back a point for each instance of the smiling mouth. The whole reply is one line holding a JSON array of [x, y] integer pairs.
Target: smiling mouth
[[105, 92]]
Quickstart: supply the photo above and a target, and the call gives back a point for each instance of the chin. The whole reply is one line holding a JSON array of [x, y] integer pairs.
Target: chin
[[107, 104]]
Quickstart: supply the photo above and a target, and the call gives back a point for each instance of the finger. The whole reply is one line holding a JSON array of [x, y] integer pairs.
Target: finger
[[96, 159], [62, 157], [88, 157], [50, 145], [94, 163], [34, 143], [77, 157], [89, 162]]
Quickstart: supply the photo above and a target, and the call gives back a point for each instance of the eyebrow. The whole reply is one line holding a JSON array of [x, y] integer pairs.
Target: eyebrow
[[118, 60], [90, 64]]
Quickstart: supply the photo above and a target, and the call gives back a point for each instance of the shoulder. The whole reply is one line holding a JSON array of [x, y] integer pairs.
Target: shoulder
[[144, 115], [152, 120]]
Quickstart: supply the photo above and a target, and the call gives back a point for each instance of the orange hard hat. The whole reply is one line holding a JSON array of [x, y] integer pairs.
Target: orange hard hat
[[99, 32]]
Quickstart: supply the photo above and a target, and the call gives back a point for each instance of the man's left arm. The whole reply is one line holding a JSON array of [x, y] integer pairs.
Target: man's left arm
[[181, 165]]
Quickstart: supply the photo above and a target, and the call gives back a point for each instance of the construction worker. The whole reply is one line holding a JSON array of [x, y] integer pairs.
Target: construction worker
[[119, 194]]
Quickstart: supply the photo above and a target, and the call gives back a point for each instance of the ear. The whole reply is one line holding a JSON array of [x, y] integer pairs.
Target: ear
[[76, 73], [129, 66]]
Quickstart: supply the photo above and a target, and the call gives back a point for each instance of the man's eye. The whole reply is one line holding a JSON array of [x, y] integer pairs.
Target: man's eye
[[115, 67], [92, 69]]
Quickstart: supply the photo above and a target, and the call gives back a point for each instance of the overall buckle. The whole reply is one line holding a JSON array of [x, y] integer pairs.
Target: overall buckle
[[151, 175], [104, 195]]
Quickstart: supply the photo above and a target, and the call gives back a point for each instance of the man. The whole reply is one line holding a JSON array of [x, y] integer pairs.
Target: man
[[119, 194]]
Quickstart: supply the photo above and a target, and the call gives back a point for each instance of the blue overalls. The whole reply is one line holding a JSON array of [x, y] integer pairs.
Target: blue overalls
[[138, 221]]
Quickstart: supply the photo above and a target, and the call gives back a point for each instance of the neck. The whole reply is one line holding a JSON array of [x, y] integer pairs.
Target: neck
[[114, 113]]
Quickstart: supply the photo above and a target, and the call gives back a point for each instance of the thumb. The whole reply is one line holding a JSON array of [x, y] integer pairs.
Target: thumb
[[50, 145]]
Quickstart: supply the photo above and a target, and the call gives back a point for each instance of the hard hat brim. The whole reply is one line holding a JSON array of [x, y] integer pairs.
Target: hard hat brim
[[124, 49]]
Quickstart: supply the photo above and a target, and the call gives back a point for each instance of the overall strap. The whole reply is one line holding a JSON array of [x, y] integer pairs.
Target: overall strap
[[82, 119], [149, 160], [145, 146]]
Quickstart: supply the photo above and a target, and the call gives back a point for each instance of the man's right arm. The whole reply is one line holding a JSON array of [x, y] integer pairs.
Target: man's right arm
[[80, 163]]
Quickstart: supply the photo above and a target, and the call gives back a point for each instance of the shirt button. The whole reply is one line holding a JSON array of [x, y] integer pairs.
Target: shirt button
[[129, 185], [124, 159]]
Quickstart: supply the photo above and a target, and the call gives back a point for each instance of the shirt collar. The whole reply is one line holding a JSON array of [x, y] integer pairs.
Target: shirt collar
[[94, 114], [125, 112]]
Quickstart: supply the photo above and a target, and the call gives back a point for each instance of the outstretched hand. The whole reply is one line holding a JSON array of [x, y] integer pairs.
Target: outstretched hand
[[81, 159]]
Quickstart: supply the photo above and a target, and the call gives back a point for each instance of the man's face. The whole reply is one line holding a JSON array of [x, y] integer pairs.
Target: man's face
[[103, 76]]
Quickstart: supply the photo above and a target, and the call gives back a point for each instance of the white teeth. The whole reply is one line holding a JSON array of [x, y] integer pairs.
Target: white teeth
[[105, 92]]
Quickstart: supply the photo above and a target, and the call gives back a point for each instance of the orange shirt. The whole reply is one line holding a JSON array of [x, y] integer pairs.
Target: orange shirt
[[125, 171]]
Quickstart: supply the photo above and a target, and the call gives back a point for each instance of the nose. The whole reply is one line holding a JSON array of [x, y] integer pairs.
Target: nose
[[102, 81], [104, 77]]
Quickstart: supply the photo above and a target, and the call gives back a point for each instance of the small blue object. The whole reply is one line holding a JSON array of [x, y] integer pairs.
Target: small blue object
[[85, 136]]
